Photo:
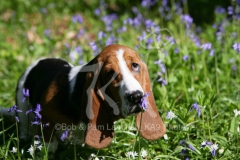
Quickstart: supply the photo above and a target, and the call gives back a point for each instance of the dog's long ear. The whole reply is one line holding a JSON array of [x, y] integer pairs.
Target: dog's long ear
[[98, 118], [152, 126]]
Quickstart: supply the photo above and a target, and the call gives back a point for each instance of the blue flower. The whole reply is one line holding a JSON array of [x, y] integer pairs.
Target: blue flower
[[236, 46], [25, 94], [80, 33], [206, 46], [185, 57], [64, 135], [176, 50], [97, 11], [78, 49], [191, 147], [220, 10], [163, 81], [101, 34], [205, 143], [94, 47], [187, 19], [212, 53], [111, 40], [143, 102], [77, 18], [230, 10], [13, 110], [38, 116], [47, 32], [196, 107]]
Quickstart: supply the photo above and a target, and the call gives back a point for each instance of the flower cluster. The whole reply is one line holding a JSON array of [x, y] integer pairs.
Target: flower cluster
[[38, 116], [212, 147], [36, 145]]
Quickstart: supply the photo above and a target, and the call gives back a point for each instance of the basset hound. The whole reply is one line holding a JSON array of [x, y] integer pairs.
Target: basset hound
[[89, 97]]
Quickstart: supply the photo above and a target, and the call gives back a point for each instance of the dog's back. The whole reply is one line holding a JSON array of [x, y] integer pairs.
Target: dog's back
[[36, 79]]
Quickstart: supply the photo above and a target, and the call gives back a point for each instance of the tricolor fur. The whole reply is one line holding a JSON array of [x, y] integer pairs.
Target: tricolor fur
[[91, 96]]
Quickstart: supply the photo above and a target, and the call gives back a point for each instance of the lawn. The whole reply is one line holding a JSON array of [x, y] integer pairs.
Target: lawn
[[194, 70]]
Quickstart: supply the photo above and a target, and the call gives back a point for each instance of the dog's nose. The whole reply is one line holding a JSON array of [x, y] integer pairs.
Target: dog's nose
[[135, 97]]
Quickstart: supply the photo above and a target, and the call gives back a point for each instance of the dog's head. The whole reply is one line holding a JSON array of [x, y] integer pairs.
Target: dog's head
[[114, 89]]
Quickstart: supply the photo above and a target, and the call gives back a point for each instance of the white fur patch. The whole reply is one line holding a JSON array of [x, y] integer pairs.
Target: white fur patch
[[72, 77], [128, 84]]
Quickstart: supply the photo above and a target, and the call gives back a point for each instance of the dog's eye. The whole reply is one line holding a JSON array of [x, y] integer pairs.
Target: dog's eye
[[110, 73], [135, 67]]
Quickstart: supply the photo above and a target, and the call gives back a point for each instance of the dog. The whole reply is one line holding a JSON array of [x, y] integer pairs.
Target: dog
[[90, 97]]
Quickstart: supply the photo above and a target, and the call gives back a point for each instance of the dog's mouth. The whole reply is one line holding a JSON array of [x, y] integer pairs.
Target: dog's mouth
[[135, 109]]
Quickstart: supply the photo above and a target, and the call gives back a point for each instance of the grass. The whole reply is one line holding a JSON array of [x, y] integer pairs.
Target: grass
[[42, 29]]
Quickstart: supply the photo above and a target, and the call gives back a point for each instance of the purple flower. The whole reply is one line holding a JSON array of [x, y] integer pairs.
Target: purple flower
[[236, 46], [64, 135], [205, 143], [206, 46], [67, 46], [122, 29], [47, 32], [187, 19], [36, 121], [176, 50], [143, 102], [97, 11], [111, 40], [108, 20], [13, 110], [211, 53], [164, 3], [25, 94], [101, 34], [77, 18], [220, 10], [94, 47], [234, 67], [196, 107], [148, 3], [163, 81], [191, 147], [183, 152], [149, 42], [78, 49], [158, 38], [38, 116], [135, 10], [182, 142], [80, 33], [185, 57], [213, 148], [143, 36], [230, 10], [149, 23]]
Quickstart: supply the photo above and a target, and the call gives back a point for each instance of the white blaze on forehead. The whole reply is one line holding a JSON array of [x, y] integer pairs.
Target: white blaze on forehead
[[128, 84]]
